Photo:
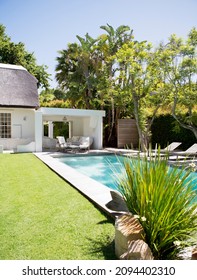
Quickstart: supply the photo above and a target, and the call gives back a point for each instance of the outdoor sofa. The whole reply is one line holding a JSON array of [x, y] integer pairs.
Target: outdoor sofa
[[75, 143]]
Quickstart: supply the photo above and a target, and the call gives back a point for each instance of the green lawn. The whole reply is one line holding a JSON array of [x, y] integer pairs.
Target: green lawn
[[43, 217]]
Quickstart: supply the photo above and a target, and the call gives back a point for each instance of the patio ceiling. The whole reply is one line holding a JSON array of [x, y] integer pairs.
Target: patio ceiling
[[62, 114]]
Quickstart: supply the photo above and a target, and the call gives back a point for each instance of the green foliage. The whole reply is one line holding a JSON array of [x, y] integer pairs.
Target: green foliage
[[16, 53], [61, 129], [165, 130], [178, 68], [49, 95], [142, 84], [56, 103], [165, 201], [87, 72], [76, 71], [46, 95], [124, 77]]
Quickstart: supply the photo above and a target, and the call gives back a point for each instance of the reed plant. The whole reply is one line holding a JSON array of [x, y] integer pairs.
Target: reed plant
[[165, 201]]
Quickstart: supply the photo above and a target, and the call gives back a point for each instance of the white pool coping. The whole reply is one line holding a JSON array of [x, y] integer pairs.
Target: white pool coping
[[93, 190]]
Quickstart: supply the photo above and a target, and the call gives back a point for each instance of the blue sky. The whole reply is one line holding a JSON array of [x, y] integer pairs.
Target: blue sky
[[46, 26]]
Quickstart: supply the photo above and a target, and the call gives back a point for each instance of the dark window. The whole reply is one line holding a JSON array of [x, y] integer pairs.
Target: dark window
[[5, 125]]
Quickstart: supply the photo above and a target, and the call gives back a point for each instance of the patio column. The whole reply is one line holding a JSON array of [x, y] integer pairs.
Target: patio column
[[99, 133], [50, 131], [38, 131]]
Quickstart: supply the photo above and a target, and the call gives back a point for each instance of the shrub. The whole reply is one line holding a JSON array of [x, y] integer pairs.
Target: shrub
[[164, 199], [165, 129]]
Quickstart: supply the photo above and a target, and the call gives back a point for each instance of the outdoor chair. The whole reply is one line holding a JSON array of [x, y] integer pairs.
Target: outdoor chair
[[170, 148], [75, 143], [62, 143], [184, 156], [160, 152], [85, 143], [191, 151], [80, 143]]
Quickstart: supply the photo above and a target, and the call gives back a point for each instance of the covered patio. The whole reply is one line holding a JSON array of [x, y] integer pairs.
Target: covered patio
[[81, 123]]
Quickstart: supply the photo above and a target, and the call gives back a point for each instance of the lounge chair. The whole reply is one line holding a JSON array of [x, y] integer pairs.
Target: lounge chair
[[191, 151], [170, 147], [184, 156], [61, 143], [161, 152], [154, 152]]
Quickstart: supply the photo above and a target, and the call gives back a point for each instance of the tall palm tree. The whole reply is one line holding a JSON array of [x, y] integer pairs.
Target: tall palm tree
[[76, 71], [114, 40]]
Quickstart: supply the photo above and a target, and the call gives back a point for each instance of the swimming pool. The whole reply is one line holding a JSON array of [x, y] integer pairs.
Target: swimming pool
[[102, 168]]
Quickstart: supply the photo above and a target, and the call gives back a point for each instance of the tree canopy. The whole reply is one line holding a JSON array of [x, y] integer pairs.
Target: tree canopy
[[129, 78], [16, 53], [177, 61]]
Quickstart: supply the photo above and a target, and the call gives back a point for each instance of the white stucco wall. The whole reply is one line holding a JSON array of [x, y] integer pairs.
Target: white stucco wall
[[94, 126], [22, 127], [89, 126], [23, 123], [76, 126]]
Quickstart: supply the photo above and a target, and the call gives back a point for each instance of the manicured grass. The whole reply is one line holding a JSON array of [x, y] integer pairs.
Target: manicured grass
[[43, 217]]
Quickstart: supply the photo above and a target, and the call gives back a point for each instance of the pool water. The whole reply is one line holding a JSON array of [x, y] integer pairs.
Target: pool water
[[102, 168]]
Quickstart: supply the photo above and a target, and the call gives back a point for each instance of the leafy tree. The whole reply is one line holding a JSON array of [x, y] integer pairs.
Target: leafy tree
[[178, 64], [128, 78], [12, 53], [110, 43], [46, 95], [76, 72], [142, 84], [53, 98], [59, 94], [87, 72]]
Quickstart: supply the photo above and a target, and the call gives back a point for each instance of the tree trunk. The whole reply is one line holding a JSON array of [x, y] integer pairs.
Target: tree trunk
[[112, 119], [186, 126], [141, 133]]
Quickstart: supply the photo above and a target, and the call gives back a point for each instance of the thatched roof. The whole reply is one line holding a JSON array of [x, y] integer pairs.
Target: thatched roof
[[18, 88]]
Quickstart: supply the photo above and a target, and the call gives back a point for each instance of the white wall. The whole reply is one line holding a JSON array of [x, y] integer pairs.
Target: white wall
[[77, 126], [23, 123], [89, 126], [38, 130], [22, 127]]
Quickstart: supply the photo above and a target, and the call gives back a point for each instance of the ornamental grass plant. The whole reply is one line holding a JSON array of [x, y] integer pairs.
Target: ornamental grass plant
[[165, 201]]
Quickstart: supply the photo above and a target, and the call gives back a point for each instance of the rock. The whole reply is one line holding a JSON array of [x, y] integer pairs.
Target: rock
[[127, 229], [137, 250], [117, 203], [194, 254]]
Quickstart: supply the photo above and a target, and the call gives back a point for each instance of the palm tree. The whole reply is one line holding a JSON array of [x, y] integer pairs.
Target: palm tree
[[113, 41], [76, 71]]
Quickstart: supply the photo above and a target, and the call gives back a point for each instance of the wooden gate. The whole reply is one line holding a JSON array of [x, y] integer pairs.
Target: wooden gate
[[127, 133]]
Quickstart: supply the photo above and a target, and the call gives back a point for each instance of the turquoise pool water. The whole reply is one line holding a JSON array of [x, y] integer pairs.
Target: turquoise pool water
[[102, 168]]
